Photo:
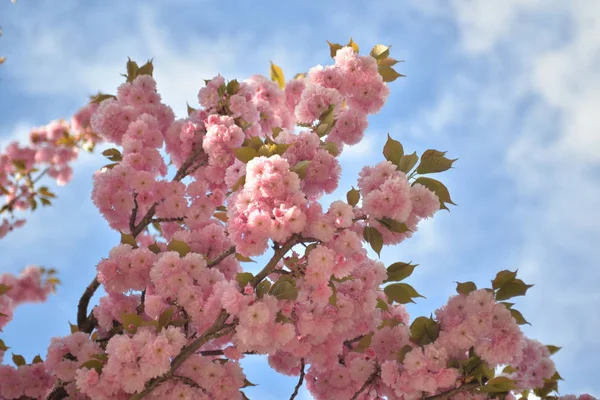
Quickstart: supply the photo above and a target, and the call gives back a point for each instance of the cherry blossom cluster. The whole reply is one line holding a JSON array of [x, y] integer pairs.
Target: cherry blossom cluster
[[32, 285], [180, 312], [50, 151]]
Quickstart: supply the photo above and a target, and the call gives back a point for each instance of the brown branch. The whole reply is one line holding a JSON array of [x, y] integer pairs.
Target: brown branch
[[215, 331], [159, 220], [368, 383], [58, 393], [133, 213], [183, 170], [223, 256], [300, 380], [349, 343], [219, 328], [279, 253], [445, 395], [83, 322], [87, 325]]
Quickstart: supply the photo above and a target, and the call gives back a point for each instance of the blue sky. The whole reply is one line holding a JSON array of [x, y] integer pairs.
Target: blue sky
[[511, 88]]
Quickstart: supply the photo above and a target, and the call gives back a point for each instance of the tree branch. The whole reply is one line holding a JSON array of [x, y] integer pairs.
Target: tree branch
[[215, 331], [83, 322], [279, 253], [87, 325], [368, 383], [467, 387], [300, 380], [159, 220], [223, 256]]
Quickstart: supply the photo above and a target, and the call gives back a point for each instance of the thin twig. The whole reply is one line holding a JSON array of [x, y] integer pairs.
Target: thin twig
[[368, 383], [159, 220], [223, 256], [445, 395], [300, 380]]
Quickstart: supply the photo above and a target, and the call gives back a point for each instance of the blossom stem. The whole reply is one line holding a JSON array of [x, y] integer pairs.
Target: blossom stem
[[300, 380]]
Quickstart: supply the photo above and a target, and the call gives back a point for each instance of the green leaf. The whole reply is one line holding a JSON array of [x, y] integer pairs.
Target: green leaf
[[109, 166], [221, 216], [240, 183], [333, 297], [380, 51], [502, 278], [128, 239], [100, 356], [401, 293], [553, 349], [276, 131], [512, 289], [518, 317], [284, 289], [483, 371], [19, 164], [155, 248], [3, 346], [434, 161], [374, 238], [165, 317], [4, 288], [45, 201], [424, 330], [277, 75], [388, 73], [278, 149], [19, 360], [190, 110], [353, 197], [179, 246], [331, 148], [333, 48], [407, 162], [132, 69], [508, 370], [399, 271], [100, 97], [363, 343], [438, 188], [233, 87], [242, 258], [465, 287], [247, 383], [352, 44], [381, 304], [245, 154], [131, 322], [262, 289], [113, 155], [37, 359], [393, 151], [243, 278], [146, 69], [74, 328], [498, 384], [93, 364], [45, 192], [301, 168], [401, 354], [393, 225]]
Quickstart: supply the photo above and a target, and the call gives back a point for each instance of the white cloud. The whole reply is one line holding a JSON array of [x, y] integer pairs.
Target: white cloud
[[540, 113]]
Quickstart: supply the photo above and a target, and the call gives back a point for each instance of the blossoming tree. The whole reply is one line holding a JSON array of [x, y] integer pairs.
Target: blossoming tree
[[248, 170]]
